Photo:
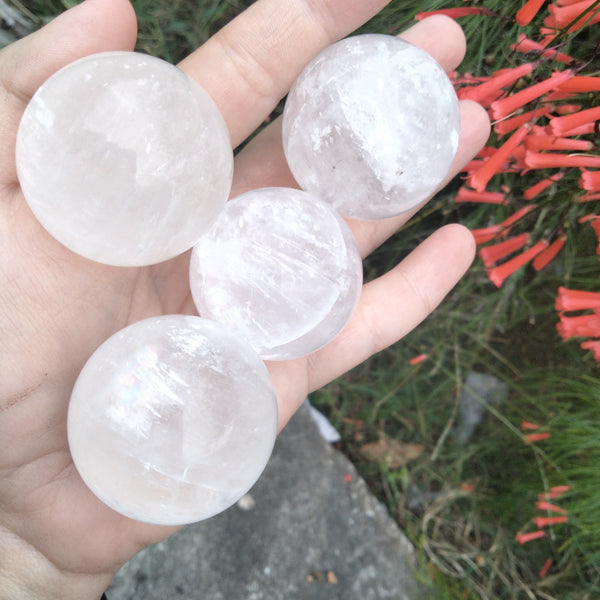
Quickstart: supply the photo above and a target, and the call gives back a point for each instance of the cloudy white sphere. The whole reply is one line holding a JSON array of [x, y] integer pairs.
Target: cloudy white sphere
[[172, 420], [281, 268], [124, 158], [371, 126]]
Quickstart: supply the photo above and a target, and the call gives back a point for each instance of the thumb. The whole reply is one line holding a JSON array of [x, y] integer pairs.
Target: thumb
[[92, 26]]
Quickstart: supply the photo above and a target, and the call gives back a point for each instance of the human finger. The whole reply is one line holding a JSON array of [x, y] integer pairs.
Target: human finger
[[395, 303], [441, 37], [250, 64], [389, 308]]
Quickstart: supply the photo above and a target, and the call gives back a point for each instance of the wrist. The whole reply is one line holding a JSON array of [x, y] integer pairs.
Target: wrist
[[27, 575]]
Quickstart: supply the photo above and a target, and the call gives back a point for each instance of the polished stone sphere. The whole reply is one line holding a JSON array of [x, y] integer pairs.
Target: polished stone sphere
[[371, 126], [279, 267], [124, 159], [172, 420]]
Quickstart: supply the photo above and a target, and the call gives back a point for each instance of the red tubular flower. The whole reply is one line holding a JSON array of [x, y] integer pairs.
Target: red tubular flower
[[527, 12], [541, 186], [467, 195], [594, 346], [523, 538], [547, 255], [545, 568], [569, 299], [557, 95], [517, 215], [418, 359], [543, 521], [492, 254], [589, 197], [527, 425], [536, 437], [579, 326], [588, 218], [551, 142], [486, 152], [472, 166], [560, 125], [590, 180], [549, 507], [480, 178], [503, 107], [466, 78], [475, 164], [455, 13], [581, 84], [546, 160], [567, 109], [549, 35], [563, 2], [485, 234], [561, 16], [507, 125], [557, 490], [498, 274], [527, 45], [538, 129], [488, 91], [585, 129]]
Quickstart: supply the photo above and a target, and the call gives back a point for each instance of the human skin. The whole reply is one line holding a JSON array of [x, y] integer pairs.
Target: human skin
[[57, 540]]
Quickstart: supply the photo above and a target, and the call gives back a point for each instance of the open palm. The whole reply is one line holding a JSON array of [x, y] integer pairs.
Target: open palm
[[56, 539]]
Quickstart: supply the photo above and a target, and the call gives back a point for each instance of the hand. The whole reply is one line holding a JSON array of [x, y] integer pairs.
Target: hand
[[56, 539]]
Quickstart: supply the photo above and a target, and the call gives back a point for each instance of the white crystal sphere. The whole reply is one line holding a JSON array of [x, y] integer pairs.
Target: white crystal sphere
[[124, 159], [371, 126], [279, 267], [172, 420]]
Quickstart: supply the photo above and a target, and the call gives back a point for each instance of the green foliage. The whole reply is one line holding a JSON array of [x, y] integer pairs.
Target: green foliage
[[170, 30]]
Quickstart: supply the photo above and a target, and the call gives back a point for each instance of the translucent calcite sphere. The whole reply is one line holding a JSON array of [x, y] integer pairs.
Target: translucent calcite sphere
[[124, 159], [280, 268], [172, 420], [371, 126]]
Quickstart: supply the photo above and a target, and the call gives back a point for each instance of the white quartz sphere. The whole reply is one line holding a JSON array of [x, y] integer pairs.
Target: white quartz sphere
[[371, 126], [279, 267], [172, 420], [124, 159]]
